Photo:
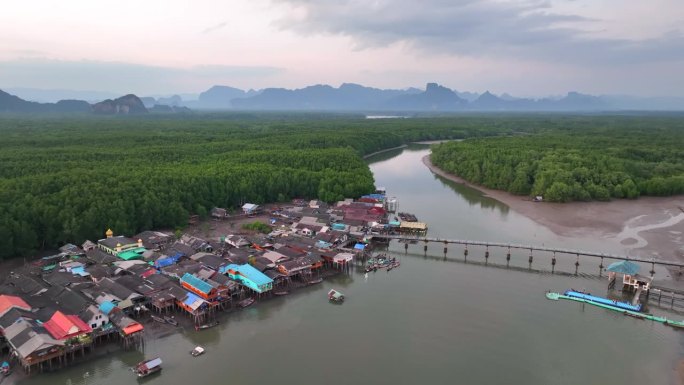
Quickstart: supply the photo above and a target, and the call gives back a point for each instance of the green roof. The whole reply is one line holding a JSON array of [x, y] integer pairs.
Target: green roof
[[131, 254]]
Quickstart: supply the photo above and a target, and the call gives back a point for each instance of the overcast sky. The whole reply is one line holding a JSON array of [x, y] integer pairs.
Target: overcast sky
[[527, 48]]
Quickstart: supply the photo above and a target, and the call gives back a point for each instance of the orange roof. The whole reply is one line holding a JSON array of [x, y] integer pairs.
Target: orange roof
[[9, 301], [132, 328], [62, 326]]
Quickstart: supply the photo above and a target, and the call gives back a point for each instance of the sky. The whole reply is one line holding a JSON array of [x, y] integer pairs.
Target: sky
[[523, 47]]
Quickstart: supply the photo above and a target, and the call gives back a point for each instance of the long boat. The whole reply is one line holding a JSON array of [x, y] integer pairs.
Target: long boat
[[146, 368], [601, 300], [206, 326], [246, 302], [631, 313]]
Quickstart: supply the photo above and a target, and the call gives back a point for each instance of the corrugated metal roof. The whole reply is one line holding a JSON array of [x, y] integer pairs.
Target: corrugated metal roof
[[196, 283], [107, 307], [252, 274], [8, 302]]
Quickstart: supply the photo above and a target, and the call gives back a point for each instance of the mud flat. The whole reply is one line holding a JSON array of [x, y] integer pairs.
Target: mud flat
[[648, 225]]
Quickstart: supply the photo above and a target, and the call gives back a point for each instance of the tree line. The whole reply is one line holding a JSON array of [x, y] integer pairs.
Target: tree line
[[69, 179], [604, 159]]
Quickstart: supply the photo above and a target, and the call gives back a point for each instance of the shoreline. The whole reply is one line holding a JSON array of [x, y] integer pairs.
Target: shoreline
[[651, 225]]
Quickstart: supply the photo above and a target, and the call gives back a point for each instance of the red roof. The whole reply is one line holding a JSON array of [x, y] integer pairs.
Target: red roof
[[148, 273], [62, 326], [132, 328], [9, 301]]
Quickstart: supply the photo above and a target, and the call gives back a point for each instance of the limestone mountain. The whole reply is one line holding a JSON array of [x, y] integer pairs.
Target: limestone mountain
[[434, 98], [125, 105]]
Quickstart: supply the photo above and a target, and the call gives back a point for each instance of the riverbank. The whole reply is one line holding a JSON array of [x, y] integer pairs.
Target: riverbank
[[648, 225], [382, 151]]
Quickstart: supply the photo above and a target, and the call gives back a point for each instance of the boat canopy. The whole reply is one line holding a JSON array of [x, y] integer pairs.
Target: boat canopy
[[151, 364], [623, 267]]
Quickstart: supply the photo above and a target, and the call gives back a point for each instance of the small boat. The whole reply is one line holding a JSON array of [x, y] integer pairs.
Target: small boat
[[158, 319], [315, 281], [206, 326], [170, 320], [246, 302], [197, 351], [602, 301], [335, 296], [281, 293], [146, 368], [5, 369]]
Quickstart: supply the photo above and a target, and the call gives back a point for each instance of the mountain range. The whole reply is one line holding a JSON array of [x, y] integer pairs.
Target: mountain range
[[347, 97]]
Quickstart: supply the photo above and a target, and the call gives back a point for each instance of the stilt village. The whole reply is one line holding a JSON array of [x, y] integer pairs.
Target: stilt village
[[108, 292]]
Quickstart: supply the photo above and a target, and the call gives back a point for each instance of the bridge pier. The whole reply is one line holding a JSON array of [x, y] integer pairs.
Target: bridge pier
[[465, 253], [508, 257], [577, 264], [530, 260], [601, 267], [486, 255], [553, 263]]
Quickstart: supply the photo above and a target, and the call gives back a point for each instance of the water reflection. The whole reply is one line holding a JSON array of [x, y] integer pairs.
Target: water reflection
[[475, 197]]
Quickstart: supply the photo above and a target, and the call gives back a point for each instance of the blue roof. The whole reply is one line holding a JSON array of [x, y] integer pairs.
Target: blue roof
[[359, 246], [253, 274], [196, 283], [80, 271], [107, 307], [191, 298], [623, 267]]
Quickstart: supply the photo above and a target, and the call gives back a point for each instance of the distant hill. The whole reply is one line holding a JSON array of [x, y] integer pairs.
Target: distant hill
[[220, 97], [166, 109], [12, 103], [72, 106], [55, 95], [125, 105], [348, 96]]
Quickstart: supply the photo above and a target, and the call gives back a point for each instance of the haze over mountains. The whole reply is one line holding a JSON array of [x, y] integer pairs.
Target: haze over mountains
[[347, 97]]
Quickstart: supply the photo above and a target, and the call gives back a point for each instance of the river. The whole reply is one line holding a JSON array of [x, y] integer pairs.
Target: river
[[430, 321]]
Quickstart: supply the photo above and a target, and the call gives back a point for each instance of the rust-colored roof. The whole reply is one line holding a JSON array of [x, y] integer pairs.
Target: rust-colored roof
[[9, 301], [62, 326]]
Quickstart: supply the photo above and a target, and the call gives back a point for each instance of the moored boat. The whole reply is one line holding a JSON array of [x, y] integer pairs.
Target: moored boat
[[197, 351], [315, 281], [246, 302], [206, 326], [281, 293], [171, 320], [158, 319], [335, 296], [146, 368], [603, 301]]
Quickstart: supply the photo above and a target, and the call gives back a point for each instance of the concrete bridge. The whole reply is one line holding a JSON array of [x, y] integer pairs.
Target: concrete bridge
[[407, 239]]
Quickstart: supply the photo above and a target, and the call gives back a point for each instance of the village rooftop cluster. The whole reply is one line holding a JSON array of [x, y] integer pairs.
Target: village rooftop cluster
[[64, 306]]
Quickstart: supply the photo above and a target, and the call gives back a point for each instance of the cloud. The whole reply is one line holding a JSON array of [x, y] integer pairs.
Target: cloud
[[519, 29], [125, 77], [215, 27]]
